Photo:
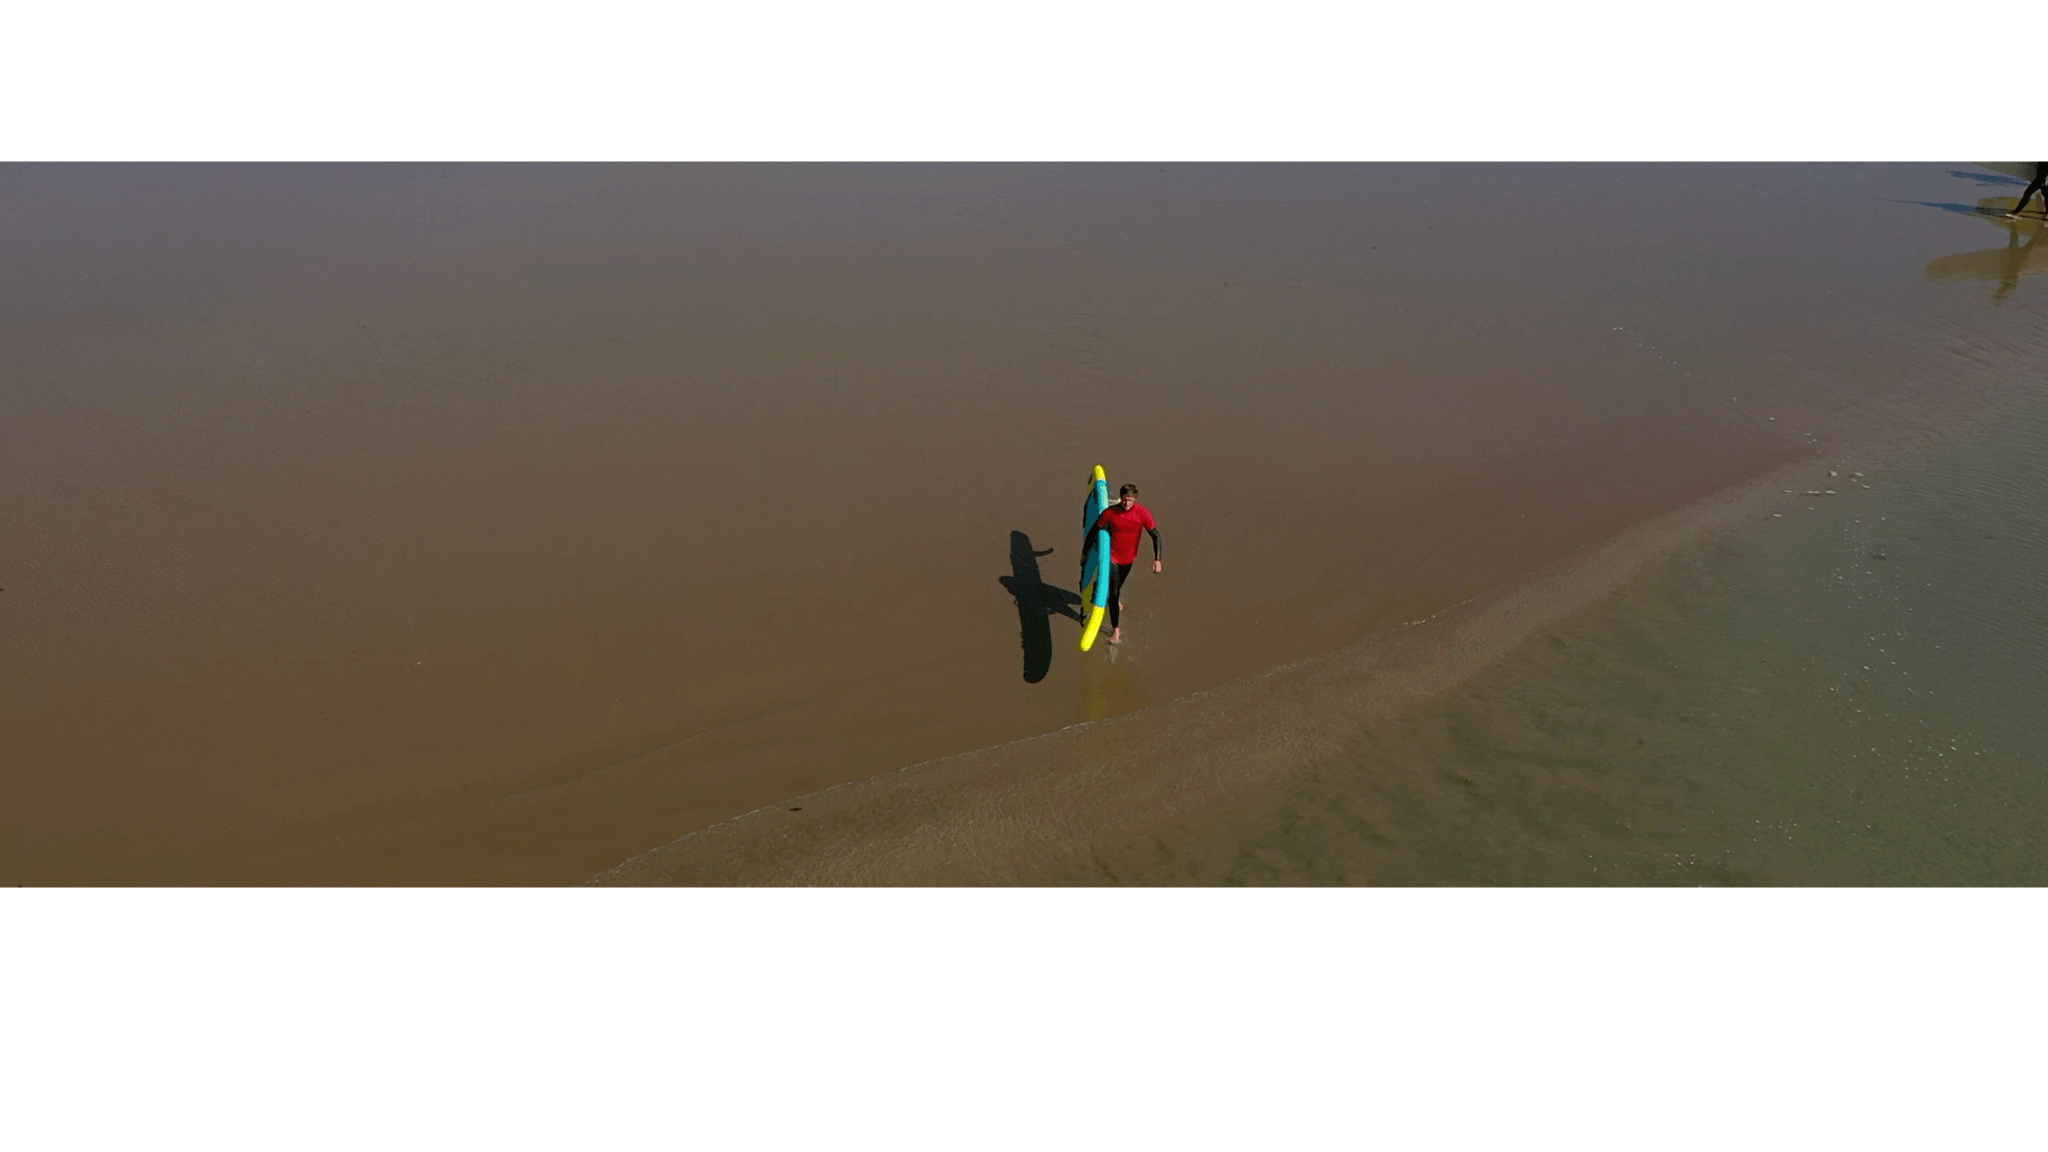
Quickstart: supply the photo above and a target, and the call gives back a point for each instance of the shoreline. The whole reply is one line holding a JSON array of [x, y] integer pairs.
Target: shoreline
[[1036, 810], [1442, 552], [1021, 812]]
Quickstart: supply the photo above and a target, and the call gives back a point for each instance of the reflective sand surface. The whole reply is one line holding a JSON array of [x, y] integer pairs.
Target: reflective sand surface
[[497, 524], [1849, 692], [1839, 683]]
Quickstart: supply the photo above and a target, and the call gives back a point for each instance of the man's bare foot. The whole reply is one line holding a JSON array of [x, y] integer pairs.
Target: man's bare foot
[[1116, 636]]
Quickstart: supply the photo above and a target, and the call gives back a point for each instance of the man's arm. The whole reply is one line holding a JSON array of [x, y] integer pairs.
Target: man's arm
[[1088, 533]]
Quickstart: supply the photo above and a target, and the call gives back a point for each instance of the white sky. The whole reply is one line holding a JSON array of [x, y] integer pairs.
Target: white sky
[[1040, 1019], [887, 80]]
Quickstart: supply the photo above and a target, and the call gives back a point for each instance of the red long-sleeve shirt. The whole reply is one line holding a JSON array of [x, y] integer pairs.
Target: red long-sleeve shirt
[[1123, 531]]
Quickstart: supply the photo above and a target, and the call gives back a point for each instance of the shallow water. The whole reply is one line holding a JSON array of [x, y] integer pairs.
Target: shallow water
[[478, 523], [1853, 690]]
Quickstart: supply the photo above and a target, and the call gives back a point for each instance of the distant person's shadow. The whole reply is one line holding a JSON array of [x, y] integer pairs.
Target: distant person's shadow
[[1989, 180], [1037, 602]]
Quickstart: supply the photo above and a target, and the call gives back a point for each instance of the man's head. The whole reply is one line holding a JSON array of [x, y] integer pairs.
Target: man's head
[[1127, 496]]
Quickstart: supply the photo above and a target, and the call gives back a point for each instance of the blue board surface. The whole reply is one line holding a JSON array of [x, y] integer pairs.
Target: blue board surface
[[1094, 558]]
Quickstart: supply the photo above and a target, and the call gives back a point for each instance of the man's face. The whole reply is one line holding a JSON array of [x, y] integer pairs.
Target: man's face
[[1127, 500]]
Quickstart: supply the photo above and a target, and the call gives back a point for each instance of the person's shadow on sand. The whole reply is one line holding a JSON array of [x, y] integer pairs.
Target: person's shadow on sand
[[1037, 601]]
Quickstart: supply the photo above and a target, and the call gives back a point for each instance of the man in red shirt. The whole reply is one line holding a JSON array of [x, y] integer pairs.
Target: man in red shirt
[[1124, 519]]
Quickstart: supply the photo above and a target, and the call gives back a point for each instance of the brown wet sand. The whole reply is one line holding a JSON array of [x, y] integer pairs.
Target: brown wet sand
[[1162, 795], [1075, 806], [494, 524]]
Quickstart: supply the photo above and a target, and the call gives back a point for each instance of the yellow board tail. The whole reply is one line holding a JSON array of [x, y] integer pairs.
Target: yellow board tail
[[1094, 626]]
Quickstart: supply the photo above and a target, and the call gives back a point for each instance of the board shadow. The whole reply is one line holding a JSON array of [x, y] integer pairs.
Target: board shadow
[[1037, 602]]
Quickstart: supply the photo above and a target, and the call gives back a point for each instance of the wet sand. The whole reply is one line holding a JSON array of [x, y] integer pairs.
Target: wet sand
[[498, 524], [1423, 754], [1074, 806]]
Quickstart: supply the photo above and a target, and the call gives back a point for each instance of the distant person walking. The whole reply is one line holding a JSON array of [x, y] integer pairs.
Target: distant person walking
[[1125, 519], [2040, 179]]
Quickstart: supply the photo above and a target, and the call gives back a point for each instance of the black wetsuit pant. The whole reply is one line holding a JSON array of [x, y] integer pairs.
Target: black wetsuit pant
[[2040, 178], [1117, 572]]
